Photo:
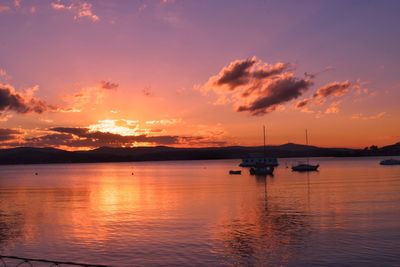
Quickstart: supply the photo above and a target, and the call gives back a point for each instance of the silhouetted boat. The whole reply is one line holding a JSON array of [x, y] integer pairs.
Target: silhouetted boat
[[261, 168], [254, 159], [390, 162], [235, 172], [305, 167]]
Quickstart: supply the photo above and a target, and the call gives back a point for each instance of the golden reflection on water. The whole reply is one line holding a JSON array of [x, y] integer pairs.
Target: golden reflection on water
[[194, 212]]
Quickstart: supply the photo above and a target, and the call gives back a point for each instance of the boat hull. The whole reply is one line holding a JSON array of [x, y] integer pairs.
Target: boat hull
[[305, 168], [390, 162], [262, 171]]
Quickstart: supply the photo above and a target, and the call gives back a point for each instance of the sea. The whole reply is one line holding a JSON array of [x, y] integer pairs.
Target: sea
[[193, 213]]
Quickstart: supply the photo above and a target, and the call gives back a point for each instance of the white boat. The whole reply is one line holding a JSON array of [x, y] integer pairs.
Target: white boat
[[305, 167], [253, 160], [261, 167], [390, 162]]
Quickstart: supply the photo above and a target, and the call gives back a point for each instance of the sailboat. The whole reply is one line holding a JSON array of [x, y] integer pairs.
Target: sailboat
[[262, 168], [305, 167]]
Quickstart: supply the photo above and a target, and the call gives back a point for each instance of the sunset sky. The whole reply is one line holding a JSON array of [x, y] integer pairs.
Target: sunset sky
[[83, 74]]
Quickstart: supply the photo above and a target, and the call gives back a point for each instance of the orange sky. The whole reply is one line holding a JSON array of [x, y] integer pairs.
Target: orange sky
[[82, 74]]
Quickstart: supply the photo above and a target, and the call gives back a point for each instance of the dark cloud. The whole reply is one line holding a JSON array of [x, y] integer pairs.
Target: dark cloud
[[243, 72], [334, 88], [78, 137], [9, 134], [108, 85], [51, 140], [257, 87], [10, 100], [236, 73], [275, 93], [331, 89], [71, 130], [202, 141], [303, 103]]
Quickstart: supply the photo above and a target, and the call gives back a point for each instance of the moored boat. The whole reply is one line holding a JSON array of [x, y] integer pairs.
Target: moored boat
[[233, 172], [304, 167], [390, 162], [261, 167], [252, 160]]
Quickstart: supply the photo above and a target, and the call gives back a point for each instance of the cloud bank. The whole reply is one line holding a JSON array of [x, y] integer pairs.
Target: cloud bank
[[9, 134]]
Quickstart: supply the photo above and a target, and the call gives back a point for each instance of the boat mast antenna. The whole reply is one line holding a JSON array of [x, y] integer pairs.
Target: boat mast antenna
[[306, 138], [308, 159], [264, 139]]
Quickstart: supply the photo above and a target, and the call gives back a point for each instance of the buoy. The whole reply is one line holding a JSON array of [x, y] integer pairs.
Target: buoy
[[36, 173]]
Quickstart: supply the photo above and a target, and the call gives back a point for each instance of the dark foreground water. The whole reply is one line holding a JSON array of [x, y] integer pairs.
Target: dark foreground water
[[193, 213]]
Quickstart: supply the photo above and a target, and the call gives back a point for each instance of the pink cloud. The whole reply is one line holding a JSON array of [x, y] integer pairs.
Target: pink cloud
[[78, 8]]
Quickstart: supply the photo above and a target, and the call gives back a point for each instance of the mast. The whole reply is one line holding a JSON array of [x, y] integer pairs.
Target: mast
[[264, 142], [307, 147], [306, 138]]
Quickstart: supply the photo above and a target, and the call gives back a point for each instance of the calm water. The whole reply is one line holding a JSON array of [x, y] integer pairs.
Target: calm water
[[193, 213]]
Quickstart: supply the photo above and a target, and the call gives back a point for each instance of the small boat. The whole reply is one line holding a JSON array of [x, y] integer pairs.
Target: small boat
[[305, 167], [262, 168], [253, 159], [233, 172], [390, 162]]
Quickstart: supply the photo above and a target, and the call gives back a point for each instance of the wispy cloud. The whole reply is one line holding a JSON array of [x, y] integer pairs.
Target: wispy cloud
[[108, 85], [163, 122], [17, 3], [92, 95], [333, 108], [80, 9], [4, 8], [333, 89], [4, 77], [9, 134], [255, 86], [377, 116]]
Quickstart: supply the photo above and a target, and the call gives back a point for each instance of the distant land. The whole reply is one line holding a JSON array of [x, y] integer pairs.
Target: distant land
[[31, 155]]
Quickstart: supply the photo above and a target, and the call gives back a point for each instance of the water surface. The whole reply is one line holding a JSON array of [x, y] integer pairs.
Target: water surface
[[194, 213]]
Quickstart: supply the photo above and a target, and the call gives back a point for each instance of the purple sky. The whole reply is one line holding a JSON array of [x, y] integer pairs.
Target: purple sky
[[151, 69]]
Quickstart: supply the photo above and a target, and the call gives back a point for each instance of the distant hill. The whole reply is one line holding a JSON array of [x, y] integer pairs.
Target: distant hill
[[31, 155]]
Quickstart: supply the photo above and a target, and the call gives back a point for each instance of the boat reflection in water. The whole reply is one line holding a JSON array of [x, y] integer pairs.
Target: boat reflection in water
[[390, 162], [265, 234]]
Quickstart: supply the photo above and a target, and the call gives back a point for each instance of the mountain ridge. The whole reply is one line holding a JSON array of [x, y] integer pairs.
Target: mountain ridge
[[35, 155]]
